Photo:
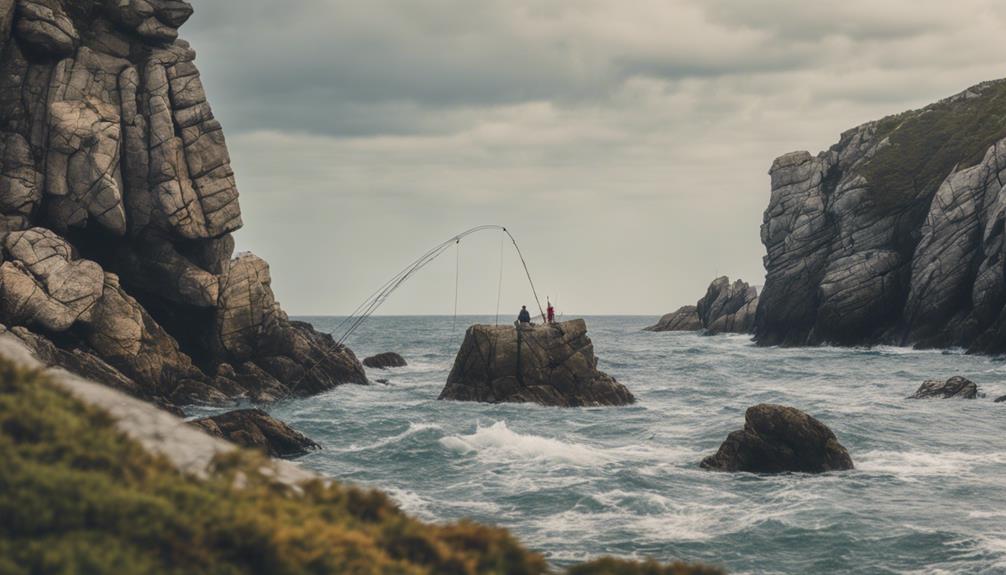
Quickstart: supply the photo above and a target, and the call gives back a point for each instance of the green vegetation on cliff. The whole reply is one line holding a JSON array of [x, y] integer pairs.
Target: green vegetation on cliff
[[925, 145], [77, 496]]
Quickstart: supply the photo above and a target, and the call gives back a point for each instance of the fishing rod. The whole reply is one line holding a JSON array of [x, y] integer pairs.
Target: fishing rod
[[369, 306]]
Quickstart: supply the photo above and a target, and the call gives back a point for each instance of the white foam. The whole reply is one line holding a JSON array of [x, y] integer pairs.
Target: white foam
[[911, 465], [499, 442], [413, 429]]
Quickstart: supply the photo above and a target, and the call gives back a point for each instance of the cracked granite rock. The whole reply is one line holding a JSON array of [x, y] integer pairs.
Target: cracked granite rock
[[550, 364], [895, 234], [726, 308], [117, 204]]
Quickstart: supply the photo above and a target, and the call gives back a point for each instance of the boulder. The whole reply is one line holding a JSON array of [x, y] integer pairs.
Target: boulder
[[956, 387], [552, 364], [778, 439], [1000, 399], [256, 429], [726, 308], [385, 360]]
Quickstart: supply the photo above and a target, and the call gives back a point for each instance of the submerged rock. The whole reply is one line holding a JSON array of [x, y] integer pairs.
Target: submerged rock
[[385, 360], [726, 308], [257, 429], [956, 387], [777, 439], [546, 364], [117, 205]]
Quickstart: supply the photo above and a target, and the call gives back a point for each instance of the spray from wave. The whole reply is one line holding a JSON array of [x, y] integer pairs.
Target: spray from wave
[[499, 442]]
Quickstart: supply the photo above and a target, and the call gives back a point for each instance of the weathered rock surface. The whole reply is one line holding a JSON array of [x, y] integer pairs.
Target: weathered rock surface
[[895, 234], [726, 308], [551, 364], [956, 387], [117, 203], [385, 360], [777, 439], [257, 429]]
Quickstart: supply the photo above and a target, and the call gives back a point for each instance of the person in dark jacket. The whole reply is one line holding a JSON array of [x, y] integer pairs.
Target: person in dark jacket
[[524, 316]]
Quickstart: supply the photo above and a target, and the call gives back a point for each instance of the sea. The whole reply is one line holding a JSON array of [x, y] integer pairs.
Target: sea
[[927, 496]]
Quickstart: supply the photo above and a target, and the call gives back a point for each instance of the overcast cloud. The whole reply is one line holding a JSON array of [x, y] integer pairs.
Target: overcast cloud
[[626, 144]]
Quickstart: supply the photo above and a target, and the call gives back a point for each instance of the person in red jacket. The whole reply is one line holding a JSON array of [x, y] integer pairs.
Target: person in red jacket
[[550, 312]]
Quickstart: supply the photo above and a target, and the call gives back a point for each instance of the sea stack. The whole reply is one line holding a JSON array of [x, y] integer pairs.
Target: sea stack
[[550, 364], [117, 205]]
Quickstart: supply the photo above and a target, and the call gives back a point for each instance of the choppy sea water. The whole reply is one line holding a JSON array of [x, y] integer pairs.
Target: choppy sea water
[[927, 494]]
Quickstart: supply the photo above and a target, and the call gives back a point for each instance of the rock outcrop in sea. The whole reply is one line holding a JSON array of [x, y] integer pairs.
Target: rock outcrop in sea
[[117, 205], [895, 234], [385, 360], [552, 364], [778, 439], [257, 429], [726, 308], [956, 387]]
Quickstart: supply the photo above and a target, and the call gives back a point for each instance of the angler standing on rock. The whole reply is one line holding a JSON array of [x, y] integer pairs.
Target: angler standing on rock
[[524, 317], [550, 312]]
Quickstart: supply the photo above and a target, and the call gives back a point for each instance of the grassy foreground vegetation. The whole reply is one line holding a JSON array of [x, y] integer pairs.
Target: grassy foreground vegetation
[[926, 144], [77, 496]]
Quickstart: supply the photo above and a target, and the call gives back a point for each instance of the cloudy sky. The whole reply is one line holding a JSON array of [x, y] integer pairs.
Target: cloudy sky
[[625, 144]]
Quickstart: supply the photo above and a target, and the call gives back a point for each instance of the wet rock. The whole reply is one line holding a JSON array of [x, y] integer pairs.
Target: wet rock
[[954, 388], [256, 429], [778, 439], [726, 308], [385, 360], [1000, 399], [547, 364]]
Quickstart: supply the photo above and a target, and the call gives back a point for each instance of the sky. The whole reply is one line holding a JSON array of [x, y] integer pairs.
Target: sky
[[626, 145]]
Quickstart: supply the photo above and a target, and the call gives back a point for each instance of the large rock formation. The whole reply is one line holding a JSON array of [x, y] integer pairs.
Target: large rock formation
[[895, 234], [777, 439], [550, 364], [117, 204], [956, 387], [726, 308]]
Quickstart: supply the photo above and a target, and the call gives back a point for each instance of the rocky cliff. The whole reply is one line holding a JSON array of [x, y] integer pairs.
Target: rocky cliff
[[117, 205], [726, 308], [894, 234]]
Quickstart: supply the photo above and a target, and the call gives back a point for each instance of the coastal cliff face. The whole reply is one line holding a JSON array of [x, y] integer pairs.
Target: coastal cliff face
[[895, 234], [117, 205]]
